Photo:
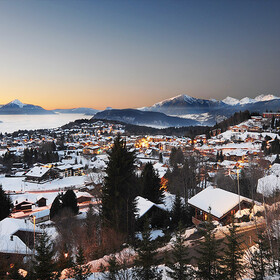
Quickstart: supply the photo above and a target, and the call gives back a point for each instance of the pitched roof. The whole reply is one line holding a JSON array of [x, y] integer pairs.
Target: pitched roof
[[10, 226], [37, 171], [220, 201], [13, 245], [144, 205]]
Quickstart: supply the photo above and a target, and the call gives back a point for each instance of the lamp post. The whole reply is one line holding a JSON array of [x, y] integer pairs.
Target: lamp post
[[34, 221], [238, 170]]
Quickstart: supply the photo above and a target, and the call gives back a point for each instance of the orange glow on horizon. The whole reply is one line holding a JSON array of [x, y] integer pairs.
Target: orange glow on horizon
[[66, 98]]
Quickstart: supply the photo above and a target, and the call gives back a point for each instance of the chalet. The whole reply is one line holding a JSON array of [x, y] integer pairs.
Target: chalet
[[38, 174], [222, 205], [77, 170], [40, 216], [257, 118], [41, 201], [21, 228], [150, 210], [64, 170], [271, 115], [84, 197], [254, 129], [12, 249], [240, 128], [91, 150], [24, 206]]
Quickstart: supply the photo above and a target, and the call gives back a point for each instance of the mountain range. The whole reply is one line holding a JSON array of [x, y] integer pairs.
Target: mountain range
[[208, 112], [181, 110], [16, 107]]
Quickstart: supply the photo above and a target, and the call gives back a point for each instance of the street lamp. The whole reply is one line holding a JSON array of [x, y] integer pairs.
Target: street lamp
[[34, 221], [238, 170]]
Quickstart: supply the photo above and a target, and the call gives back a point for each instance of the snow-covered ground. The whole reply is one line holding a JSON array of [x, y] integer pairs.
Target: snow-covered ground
[[270, 183], [18, 184]]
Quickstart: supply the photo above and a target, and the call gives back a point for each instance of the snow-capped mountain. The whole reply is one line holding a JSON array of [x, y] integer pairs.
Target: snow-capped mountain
[[208, 112], [267, 97], [246, 100], [231, 101], [16, 102], [17, 107], [185, 104]]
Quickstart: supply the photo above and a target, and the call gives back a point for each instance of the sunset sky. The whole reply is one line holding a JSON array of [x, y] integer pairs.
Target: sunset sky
[[65, 54]]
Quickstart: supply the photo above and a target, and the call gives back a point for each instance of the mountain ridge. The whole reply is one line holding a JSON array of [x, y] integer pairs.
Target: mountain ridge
[[138, 117]]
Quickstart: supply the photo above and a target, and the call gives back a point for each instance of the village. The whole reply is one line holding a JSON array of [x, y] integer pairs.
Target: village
[[78, 161]]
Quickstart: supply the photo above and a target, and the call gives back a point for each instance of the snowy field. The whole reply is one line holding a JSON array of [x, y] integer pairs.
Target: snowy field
[[17, 184]]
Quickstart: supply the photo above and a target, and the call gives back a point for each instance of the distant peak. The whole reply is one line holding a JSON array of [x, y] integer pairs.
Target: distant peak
[[266, 97], [230, 100], [17, 102]]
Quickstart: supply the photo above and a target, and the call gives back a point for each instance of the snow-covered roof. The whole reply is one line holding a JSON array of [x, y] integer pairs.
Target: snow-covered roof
[[64, 167], [13, 245], [9, 226], [38, 171], [220, 201], [160, 168], [83, 194], [41, 214], [144, 205]]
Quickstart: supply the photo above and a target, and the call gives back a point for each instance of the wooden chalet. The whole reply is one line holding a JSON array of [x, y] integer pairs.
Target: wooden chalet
[[38, 174], [221, 204], [24, 206]]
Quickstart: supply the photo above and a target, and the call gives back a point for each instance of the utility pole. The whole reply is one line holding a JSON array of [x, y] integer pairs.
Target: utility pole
[[34, 221], [238, 170]]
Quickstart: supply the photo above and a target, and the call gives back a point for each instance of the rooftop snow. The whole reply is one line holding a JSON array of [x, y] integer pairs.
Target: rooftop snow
[[13, 246], [9, 226], [38, 171], [220, 201]]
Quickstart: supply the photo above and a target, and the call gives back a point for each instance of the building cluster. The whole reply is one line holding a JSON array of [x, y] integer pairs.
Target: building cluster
[[82, 161]]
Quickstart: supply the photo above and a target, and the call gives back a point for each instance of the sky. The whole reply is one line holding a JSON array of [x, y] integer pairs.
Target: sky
[[134, 53]]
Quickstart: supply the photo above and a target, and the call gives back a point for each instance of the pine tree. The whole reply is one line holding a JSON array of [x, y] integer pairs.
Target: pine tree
[[261, 261], [232, 260], [179, 268], [6, 204], [209, 259], [56, 206], [245, 185], [64, 201], [120, 189], [80, 270], [69, 200], [90, 221], [145, 264], [113, 269], [151, 188], [178, 212], [176, 156], [44, 264]]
